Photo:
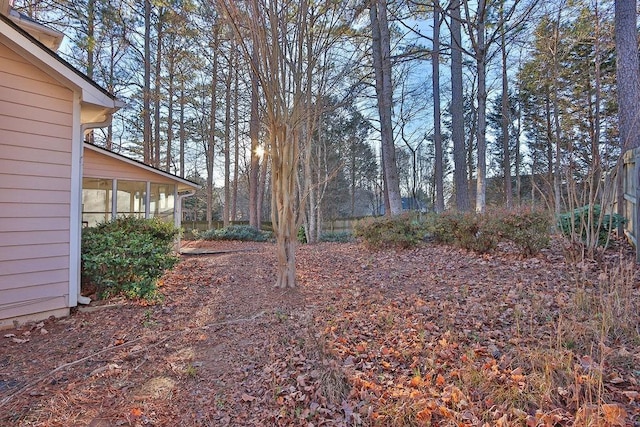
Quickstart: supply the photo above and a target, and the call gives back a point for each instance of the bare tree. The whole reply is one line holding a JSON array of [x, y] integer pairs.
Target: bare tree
[[278, 31]]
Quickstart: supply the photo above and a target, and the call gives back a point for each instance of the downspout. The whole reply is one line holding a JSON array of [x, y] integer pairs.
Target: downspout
[[84, 127], [177, 219]]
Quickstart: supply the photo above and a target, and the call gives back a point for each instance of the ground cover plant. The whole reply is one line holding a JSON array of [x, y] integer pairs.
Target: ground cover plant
[[589, 222], [431, 335]]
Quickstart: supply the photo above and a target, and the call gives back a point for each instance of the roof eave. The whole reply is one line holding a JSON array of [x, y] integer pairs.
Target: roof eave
[[34, 51]]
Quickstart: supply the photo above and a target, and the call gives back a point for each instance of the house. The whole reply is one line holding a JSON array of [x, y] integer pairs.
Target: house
[[46, 107]]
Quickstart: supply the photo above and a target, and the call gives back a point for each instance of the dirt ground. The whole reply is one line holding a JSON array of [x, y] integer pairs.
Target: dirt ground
[[427, 336]]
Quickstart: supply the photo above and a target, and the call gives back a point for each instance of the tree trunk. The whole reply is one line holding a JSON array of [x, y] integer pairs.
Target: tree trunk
[[170, 96], [210, 148], [437, 132], [628, 81], [284, 163], [457, 114], [506, 115], [262, 183], [227, 141], [481, 96], [146, 90], [183, 133], [236, 141], [627, 73], [518, 156], [254, 167], [157, 96], [384, 92], [557, 130]]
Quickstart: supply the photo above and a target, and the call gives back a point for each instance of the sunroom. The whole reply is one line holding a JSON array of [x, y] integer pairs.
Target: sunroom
[[114, 185]]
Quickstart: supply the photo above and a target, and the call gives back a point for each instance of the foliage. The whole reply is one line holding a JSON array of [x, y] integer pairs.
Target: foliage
[[579, 222], [302, 236], [127, 255], [336, 236], [236, 232], [467, 230], [481, 233], [401, 231], [528, 229], [331, 236]]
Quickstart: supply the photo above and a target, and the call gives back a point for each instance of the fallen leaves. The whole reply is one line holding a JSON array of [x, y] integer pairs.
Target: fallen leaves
[[429, 336]]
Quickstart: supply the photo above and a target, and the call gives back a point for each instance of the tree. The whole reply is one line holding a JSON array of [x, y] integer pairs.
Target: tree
[[146, 91], [627, 73], [278, 30], [628, 79], [384, 92], [254, 132], [506, 116], [437, 131], [457, 114]]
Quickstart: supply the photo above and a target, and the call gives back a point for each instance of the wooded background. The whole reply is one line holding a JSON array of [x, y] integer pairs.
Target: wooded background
[[462, 104]]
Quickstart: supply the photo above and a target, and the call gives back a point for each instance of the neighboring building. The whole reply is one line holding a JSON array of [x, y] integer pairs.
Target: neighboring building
[[46, 107]]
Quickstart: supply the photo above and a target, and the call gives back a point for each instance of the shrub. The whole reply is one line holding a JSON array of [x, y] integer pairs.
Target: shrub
[[467, 230], [578, 223], [302, 235], [236, 232], [127, 255], [401, 231], [528, 229], [339, 237], [481, 233]]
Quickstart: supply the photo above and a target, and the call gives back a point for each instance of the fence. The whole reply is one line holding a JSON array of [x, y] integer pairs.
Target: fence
[[631, 191]]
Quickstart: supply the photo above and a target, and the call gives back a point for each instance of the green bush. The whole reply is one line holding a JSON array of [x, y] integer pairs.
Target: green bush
[[578, 222], [383, 232], [481, 233], [339, 237], [236, 232], [466, 230], [528, 229], [127, 255], [302, 236]]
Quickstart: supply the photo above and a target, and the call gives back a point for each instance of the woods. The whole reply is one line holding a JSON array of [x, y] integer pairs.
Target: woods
[[302, 112]]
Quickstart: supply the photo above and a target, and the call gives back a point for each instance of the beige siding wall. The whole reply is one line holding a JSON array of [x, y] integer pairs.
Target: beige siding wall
[[97, 165], [35, 182]]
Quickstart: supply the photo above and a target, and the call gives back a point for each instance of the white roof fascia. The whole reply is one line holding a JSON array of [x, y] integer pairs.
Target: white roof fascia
[[47, 36], [65, 74]]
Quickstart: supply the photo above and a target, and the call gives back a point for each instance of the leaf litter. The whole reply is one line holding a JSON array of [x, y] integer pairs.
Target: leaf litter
[[427, 336]]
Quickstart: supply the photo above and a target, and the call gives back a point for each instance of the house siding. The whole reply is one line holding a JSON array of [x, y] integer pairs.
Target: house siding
[[36, 129], [96, 165]]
